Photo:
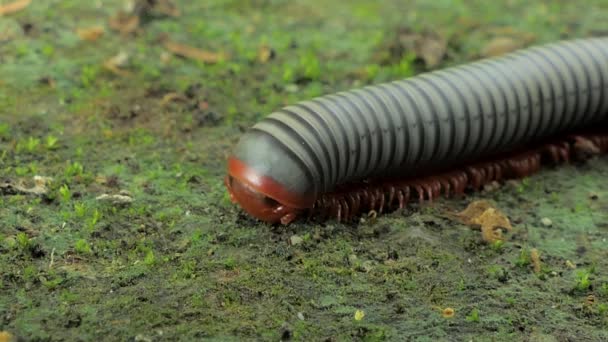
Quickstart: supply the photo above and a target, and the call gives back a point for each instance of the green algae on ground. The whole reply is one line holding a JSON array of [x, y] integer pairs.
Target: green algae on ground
[[179, 261]]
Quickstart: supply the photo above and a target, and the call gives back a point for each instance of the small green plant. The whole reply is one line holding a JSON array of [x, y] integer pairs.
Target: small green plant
[[64, 192], [4, 130], [498, 245], [21, 171], [93, 220], [149, 259], [53, 280], [372, 70], [510, 300], [405, 68], [523, 185], [30, 145], [80, 209], [498, 272], [473, 316], [51, 142], [582, 280], [88, 74], [188, 269], [311, 66], [82, 247], [23, 241], [523, 259], [74, 169], [29, 273], [230, 263], [48, 50]]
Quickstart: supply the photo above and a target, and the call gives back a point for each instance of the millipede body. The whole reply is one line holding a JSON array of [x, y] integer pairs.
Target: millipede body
[[441, 132]]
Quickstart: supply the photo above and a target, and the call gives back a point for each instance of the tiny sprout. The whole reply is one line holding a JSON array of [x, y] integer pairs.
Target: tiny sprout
[[582, 280], [497, 245], [51, 142], [23, 241], [473, 316], [524, 258], [74, 169], [82, 247], [65, 193], [80, 209]]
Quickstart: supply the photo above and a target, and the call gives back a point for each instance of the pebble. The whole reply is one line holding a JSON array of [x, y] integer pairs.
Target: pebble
[[546, 222], [295, 240]]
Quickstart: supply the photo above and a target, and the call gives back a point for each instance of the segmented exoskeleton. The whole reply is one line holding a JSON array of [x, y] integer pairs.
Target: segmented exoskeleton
[[388, 139]]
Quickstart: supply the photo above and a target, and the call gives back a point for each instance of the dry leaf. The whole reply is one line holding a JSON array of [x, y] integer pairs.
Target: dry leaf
[[14, 6], [193, 53], [508, 31], [124, 23], [265, 53], [13, 188], [474, 209], [115, 199], [6, 336], [535, 258], [170, 97], [430, 47], [90, 34], [491, 221], [114, 64], [500, 46]]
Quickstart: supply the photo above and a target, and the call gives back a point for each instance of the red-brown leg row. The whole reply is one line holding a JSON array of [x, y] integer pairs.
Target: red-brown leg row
[[350, 203]]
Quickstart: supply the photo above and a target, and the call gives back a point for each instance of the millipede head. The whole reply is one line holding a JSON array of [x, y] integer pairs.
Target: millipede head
[[261, 196]]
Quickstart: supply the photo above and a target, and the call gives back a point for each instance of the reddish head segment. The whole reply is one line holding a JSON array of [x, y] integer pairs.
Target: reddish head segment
[[261, 196]]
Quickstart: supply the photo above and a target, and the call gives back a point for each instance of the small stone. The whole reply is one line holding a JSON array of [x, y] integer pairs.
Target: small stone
[[300, 316], [142, 338], [546, 222], [292, 88], [295, 240], [366, 266]]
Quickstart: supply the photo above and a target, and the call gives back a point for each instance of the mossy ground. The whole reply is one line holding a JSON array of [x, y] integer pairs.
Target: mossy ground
[[180, 261]]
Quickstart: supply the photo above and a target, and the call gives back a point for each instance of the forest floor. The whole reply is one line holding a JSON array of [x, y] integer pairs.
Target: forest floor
[[115, 125]]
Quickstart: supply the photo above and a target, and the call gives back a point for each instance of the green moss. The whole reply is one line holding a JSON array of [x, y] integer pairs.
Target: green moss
[[181, 262], [82, 246]]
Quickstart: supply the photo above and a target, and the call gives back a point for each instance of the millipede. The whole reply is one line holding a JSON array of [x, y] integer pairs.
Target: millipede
[[440, 133]]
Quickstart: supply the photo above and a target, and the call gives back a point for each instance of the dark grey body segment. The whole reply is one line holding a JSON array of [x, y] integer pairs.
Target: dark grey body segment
[[434, 119]]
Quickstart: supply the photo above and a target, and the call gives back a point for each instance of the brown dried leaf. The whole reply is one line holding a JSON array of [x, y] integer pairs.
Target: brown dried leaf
[[491, 220], [430, 47], [19, 187], [265, 53], [193, 53], [535, 258], [474, 209], [6, 336], [508, 31], [500, 46], [124, 23], [90, 34], [13, 7], [170, 97], [114, 64]]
